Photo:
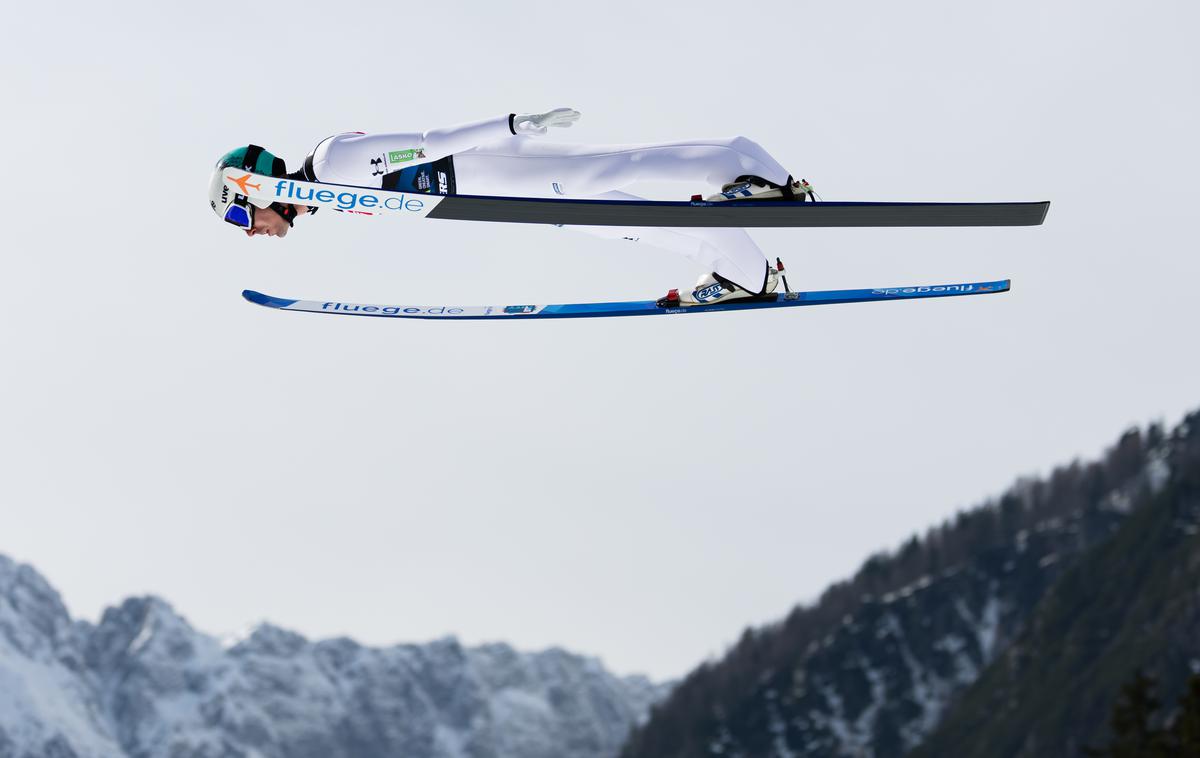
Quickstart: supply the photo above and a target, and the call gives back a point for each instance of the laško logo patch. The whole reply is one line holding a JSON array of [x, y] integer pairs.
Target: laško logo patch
[[403, 156]]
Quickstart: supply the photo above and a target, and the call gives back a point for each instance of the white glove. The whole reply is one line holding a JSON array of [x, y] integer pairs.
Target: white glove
[[540, 123]]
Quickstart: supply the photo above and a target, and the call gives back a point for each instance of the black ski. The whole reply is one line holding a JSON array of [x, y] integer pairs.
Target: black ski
[[731, 213]]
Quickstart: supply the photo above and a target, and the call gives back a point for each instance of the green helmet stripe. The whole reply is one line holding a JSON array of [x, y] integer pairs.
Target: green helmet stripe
[[264, 165], [232, 158]]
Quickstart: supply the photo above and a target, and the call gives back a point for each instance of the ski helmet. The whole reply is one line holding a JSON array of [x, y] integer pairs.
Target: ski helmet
[[235, 207]]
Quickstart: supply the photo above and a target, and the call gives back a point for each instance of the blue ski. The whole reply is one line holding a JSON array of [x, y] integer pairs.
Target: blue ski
[[632, 308]]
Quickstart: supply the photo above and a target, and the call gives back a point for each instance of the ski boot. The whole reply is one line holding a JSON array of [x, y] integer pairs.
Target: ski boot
[[713, 288], [756, 188]]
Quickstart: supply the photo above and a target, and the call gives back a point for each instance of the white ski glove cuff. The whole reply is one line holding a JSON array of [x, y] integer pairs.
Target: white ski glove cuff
[[540, 123]]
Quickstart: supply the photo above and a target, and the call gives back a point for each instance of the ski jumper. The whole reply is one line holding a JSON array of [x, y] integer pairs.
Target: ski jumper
[[489, 158]]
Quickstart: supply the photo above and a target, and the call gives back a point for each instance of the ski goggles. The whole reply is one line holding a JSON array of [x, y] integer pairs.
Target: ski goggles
[[239, 213]]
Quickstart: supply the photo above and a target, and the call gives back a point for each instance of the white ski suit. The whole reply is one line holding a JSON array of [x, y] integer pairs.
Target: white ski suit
[[489, 158]]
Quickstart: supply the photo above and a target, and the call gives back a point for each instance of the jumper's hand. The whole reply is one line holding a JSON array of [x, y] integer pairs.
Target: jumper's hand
[[540, 123]]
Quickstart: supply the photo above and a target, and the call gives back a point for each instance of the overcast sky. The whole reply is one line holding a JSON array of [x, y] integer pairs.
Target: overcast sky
[[579, 483]]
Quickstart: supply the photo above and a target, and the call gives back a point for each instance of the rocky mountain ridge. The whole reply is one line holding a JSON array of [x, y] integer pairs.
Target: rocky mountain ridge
[[143, 683], [881, 660]]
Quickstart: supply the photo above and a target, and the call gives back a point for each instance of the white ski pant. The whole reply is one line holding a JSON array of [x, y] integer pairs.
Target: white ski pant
[[529, 167]]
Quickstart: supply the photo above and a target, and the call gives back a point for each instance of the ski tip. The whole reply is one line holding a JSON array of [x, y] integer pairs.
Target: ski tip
[[259, 298], [1000, 285]]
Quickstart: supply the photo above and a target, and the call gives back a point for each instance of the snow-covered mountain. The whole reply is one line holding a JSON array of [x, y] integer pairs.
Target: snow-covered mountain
[[890, 657], [142, 683]]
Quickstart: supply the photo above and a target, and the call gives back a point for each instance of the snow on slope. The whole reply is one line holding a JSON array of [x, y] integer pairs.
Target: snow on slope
[[143, 683]]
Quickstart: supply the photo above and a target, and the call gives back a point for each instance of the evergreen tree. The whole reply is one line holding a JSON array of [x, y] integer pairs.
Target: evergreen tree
[[1134, 736], [1133, 733], [1185, 729]]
